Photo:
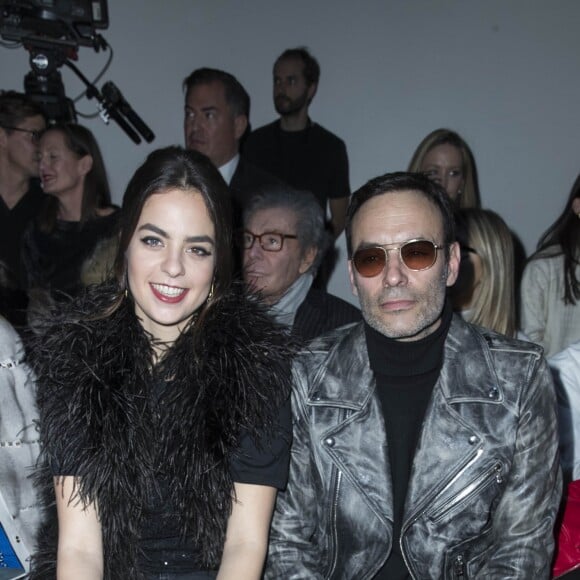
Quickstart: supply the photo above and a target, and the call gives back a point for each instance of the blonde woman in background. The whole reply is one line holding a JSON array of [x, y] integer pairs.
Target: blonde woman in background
[[485, 290], [444, 157]]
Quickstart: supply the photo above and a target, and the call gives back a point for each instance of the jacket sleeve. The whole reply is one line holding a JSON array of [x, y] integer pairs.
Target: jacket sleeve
[[524, 520], [533, 307], [292, 556]]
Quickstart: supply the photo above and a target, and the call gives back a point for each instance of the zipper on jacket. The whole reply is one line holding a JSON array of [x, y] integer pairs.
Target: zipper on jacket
[[334, 510], [485, 479], [406, 525], [332, 517], [459, 567], [405, 556]]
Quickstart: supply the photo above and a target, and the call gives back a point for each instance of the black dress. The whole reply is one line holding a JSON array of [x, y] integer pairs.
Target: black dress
[[160, 449], [54, 261]]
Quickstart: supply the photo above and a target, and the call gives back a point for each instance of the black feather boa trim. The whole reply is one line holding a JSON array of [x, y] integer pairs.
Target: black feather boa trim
[[100, 419]]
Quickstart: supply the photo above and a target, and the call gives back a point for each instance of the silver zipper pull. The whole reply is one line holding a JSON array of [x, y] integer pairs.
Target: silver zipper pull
[[459, 567], [498, 477]]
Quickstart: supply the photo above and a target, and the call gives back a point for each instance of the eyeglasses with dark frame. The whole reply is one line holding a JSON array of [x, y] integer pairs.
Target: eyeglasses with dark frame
[[34, 135], [269, 241], [415, 254]]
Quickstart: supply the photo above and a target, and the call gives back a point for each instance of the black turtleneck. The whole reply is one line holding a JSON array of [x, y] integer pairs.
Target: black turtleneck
[[405, 373]]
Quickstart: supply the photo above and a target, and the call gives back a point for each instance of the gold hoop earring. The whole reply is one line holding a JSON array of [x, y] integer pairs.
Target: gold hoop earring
[[210, 295]]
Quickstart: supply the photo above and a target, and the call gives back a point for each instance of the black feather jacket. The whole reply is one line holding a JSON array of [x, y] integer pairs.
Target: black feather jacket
[[100, 420]]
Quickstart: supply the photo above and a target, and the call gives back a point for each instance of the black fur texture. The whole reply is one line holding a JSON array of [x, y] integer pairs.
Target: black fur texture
[[100, 420]]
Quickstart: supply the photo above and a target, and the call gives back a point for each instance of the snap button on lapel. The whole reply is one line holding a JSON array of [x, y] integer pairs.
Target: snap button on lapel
[[472, 440], [329, 441], [494, 393]]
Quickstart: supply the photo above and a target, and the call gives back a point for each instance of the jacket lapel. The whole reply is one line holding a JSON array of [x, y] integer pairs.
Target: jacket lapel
[[450, 441], [360, 453]]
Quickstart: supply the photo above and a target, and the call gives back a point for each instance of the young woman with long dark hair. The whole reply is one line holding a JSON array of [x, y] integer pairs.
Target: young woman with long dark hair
[[163, 396]]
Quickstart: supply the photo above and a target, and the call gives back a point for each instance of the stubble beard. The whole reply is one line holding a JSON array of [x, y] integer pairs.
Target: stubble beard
[[431, 304], [292, 106]]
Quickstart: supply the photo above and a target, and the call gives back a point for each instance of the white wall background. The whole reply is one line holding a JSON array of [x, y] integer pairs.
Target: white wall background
[[505, 75]]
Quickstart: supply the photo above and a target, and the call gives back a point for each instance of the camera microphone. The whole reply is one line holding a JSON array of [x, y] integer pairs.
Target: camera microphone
[[116, 102]]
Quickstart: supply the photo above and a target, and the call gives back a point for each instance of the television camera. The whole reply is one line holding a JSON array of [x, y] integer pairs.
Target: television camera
[[52, 32]]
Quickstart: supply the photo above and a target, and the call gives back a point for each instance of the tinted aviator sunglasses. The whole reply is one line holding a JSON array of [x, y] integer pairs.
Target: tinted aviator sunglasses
[[415, 254]]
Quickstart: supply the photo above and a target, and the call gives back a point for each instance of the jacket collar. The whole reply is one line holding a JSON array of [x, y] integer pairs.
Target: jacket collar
[[353, 383], [449, 441]]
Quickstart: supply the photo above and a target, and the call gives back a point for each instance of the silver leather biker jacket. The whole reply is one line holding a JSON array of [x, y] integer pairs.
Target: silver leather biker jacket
[[485, 483]]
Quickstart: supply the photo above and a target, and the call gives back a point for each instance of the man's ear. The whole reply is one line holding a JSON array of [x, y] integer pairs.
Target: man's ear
[[240, 126], [351, 278], [312, 91], [453, 263], [308, 259]]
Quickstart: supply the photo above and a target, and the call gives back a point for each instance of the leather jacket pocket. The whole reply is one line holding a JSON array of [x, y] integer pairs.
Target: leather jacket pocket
[[465, 560], [480, 483]]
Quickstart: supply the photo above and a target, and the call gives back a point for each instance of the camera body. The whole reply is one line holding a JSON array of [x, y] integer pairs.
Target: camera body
[[64, 22]]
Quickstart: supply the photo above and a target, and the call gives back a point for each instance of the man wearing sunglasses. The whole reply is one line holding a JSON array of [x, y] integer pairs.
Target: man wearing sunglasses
[[424, 447], [283, 242], [21, 122]]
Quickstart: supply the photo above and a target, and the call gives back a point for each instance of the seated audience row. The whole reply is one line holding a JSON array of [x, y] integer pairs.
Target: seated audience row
[[171, 317]]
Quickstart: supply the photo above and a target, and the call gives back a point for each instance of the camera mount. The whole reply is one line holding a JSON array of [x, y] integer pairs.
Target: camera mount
[[52, 31]]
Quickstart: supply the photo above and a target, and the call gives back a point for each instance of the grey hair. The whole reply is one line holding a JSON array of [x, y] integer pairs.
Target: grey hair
[[310, 226]]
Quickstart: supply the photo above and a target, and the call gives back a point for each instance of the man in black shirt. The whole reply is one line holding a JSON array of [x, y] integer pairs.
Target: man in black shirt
[[297, 150], [21, 122], [424, 447]]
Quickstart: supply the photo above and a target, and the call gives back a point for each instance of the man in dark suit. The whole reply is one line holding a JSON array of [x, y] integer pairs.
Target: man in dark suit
[[217, 111], [283, 243]]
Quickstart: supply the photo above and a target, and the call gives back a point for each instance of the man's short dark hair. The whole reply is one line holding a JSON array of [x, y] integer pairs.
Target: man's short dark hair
[[311, 69], [309, 215], [16, 107], [236, 96], [397, 182]]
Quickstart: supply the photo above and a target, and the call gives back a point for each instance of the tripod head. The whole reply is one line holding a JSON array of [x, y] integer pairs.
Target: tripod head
[[52, 36]]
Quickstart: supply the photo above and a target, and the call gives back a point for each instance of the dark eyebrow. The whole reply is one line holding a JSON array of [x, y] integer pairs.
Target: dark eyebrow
[[154, 229], [197, 239], [164, 234], [366, 245], [203, 109]]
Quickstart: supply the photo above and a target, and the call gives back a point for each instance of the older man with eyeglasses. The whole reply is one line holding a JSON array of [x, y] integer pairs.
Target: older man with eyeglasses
[[424, 447], [283, 242]]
